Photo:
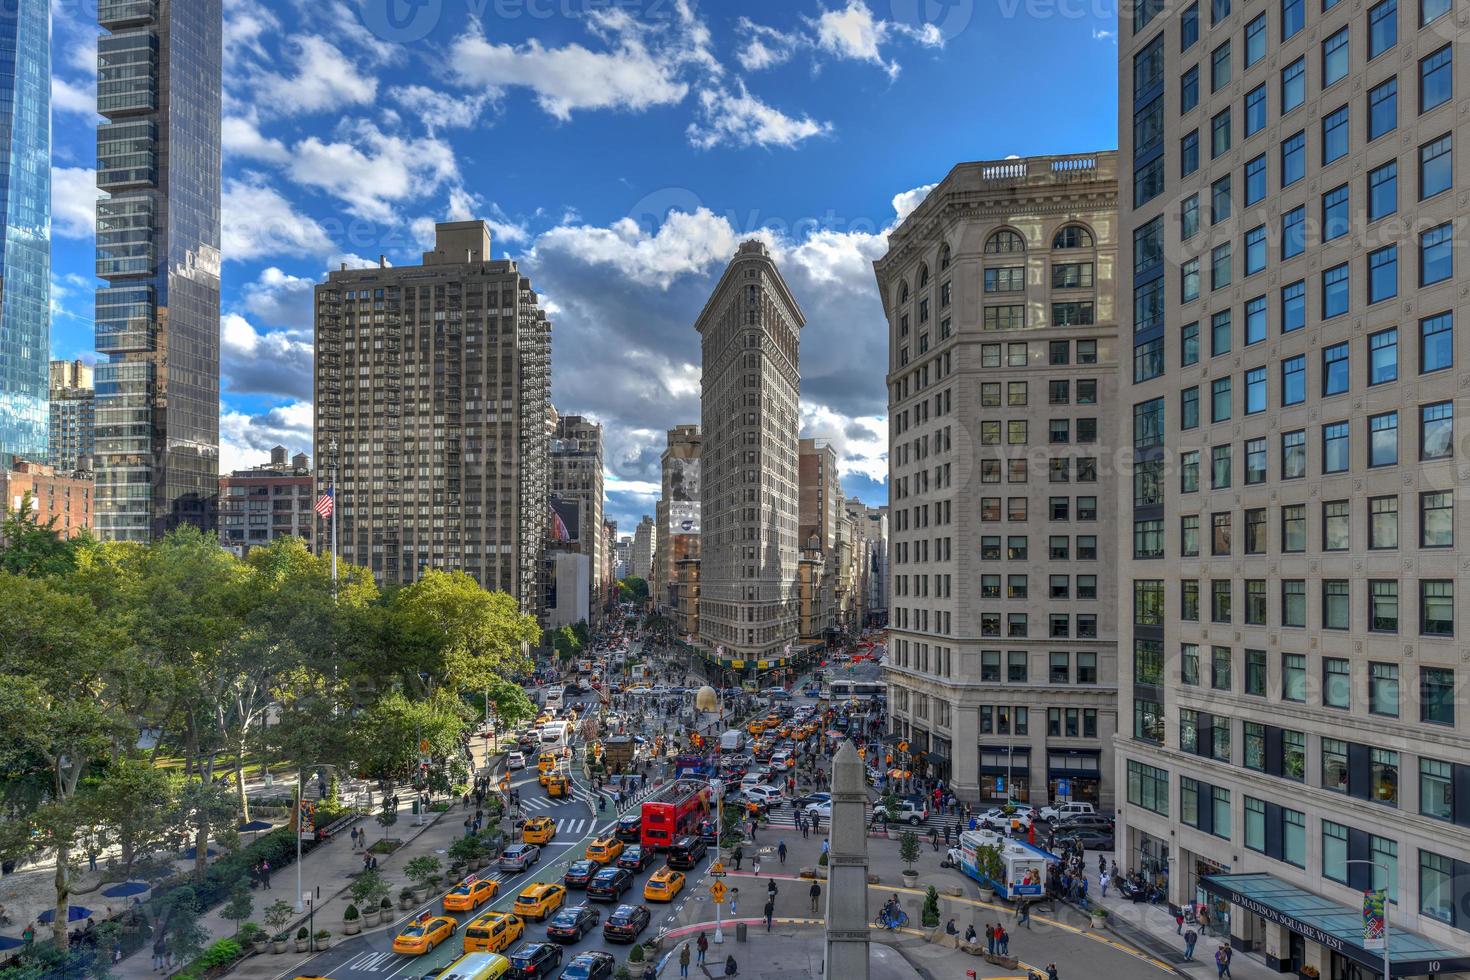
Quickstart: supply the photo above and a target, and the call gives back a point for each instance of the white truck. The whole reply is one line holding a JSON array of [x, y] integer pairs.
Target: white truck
[[1023, 866], [1057, 811], [732, 741]]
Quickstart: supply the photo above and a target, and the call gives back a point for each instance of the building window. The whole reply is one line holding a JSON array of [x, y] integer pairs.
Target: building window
[[1293, 306], [1383, 606], [1436, 519], [1335, 290], [1189, 600], [1383, 108], [1337, 682], [1383, 191], [1334, 765], [1383, 689], [1437, 695], [1255, 662], [1436, 789], [1189, 664], [1436, 343], [1148, 787], [1220, 668], [1294, 837], [1293, 602], [1437, 879], [1335, 447], [1255, 824], [1436, 430], [1383, 273], [1334, 138], [1436, 79], [1294, 528], [1334, 851], [1437, 607], [1383, 522], [1335, 58], [1255, 110], [1293, 86], [1335, 604], [1436, 257], [1383, 434], [1436, 167], [1384, 771]]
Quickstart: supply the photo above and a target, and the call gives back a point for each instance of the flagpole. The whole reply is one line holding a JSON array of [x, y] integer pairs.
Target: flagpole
[[334, 518]]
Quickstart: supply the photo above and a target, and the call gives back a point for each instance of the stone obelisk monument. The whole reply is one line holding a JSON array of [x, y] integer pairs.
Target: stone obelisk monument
[[847, 871]]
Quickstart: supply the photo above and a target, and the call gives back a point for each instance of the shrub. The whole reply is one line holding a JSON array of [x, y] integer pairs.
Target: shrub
[[386, 905], [635, 955], [220, 953], [352, 914], [249, 933], [368, 887], [302, 933], [422, 869], [406, 895], [323, 934], [930, 912], [822, 861], [908, 848], [277, 914]]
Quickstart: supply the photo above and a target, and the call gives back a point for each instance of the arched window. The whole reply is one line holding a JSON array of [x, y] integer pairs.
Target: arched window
[[923, 275], [903, 291], [1072, 236], [1005, 241], [943, 257]]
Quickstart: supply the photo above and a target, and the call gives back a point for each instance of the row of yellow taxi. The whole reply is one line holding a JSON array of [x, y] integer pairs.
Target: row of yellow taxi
[[776, 728]]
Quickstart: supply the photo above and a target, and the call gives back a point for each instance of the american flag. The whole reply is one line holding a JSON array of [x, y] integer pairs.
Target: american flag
[[324, 504]]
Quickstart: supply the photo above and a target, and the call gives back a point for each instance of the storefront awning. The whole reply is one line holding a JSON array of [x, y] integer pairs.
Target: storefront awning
[[1336, 926]]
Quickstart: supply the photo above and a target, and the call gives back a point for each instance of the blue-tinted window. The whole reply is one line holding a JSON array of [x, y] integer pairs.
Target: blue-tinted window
[[1293, 17], [1383, 356], [1293, 159], [1255, 250], [1294, 232], [1219, 10], [1335, 374], [1436, 166], [1189, 344], [1436, 343], [1220, 333], [1294, 380], [1293, 306], [1255, 179], [1436, 79], [1148, 305], [1220, 133], [1335, 447], [1383, 27], [1383, 108], [1383, 190], [1255, 40], [1335, 218], [1148, 127], [1189, 89], [1255, 390], [1148, 66], [1189, 27], [1189, 153], [1221, 273], [1189, 217], [1335, 58], [1293, 85], [1220, 67], [1220, 400], [1433, 10], [1255, 110], [1334, 135], [1220, 200], [1189, 280], [1148, 182], [1255, 320], [1335, 291], [1383, 273], [1436, 262]]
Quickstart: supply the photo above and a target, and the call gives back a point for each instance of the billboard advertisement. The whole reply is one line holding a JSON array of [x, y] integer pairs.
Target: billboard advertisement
[[683, 496]]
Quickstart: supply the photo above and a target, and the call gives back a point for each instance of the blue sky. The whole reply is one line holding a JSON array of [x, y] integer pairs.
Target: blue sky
[[621, 149]]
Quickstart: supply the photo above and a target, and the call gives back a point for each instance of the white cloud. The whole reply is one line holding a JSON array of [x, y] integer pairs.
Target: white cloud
[[242, 138], [246, 440], [258, 221], [441, 110], [686, 244], [74, 197], [737, 118], [369, 170], [855, 33], [905, 203], [861, 443], [1098, 34], [271, 363], [68, 97], [763, 46], [630, 75], [324, 79], [280, 299]]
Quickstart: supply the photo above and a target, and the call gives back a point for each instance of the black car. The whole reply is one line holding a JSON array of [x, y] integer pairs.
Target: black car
[[609, 884], [1091, 840], [687, 852], [624, 925], [629, 827], [593, 965], [532, 961], [579, 874], [572, 923], [707, 831], [1085, 821], [636, 858]]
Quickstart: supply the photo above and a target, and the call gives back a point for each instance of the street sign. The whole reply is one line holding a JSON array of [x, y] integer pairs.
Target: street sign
[[903, 746], [424, 746], [718, 868], [719, 892]]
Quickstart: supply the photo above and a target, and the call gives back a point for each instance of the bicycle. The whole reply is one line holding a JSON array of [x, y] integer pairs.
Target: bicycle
[[895, 920]]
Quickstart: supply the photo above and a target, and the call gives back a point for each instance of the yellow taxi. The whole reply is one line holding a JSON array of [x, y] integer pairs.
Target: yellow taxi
[[538, 901], [557, 785], [663, 885], [493, 932], [545, 763], [544, 718], [422, 936], [470, 895], [604, 850], [756, 727], [538, 830]]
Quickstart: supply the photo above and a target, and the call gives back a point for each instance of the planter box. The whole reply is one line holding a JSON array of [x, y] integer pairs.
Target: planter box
[[261, 946], [323, 943], [370, 919], [279, 946], [303, 945], [1099, 921], [953, 892], [351, 927], [987, 894], [910, 879], [406, 903]]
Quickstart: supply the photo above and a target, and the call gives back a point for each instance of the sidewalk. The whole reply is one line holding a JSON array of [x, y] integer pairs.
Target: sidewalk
[[1152, 928], [326, 874]]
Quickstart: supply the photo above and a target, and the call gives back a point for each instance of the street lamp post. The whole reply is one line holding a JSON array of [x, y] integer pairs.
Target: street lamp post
[[300, 772], [717, 786], [1386, 872]]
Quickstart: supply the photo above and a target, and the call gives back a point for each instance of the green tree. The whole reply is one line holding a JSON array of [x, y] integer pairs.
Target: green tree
[[565, 642], [386, 735], [461, 635], [138, 803], [28, 547], [633, 589], [239, 906]]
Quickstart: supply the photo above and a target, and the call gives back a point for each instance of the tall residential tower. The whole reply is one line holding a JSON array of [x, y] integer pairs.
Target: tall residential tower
[[158, 248], [25, 227]]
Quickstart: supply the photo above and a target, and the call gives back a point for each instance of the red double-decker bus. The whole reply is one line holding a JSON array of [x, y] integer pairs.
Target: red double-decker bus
[[673, 811]]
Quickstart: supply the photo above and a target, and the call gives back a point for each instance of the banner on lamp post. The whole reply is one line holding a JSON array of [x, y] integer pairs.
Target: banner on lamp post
[[1373, 918]]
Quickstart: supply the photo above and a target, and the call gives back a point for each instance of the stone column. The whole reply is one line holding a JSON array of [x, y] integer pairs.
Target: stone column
[[964, 768], [847, 871]]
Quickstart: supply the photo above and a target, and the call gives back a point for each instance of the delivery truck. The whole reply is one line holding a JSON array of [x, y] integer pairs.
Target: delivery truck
[[1024, 865]]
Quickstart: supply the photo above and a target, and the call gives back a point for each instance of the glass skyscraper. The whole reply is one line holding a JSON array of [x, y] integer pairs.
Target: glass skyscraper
[[25, 227], [158, 240]]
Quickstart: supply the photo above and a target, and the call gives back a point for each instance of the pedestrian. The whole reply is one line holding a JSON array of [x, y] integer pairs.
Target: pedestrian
[[1105, 880], [826, 845], [734, 901], [1190, 938], [755, 865], [1222, 961], [1023, 914], [158, 947], [730, 968], [815, 893], [970, 933], [684, 960], [771, 889], [770, 912], [781, 851], [1002, 940], [950, 929], [701, 946], [1204, 920], [1179, 923], [1051, 972], [990, 939], [934, 838], [738, 855]]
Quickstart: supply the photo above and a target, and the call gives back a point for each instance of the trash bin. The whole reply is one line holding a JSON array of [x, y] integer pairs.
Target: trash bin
[[740, 932]]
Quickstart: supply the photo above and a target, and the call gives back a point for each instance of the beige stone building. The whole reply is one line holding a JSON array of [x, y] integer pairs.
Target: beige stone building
[[576, 474], [641, 555], [750, 334], [431, 397], [1295, 729], [677, 528], [1002, 382]]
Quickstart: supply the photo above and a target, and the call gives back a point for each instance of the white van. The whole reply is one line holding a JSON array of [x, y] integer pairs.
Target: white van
[[732, 741], [555, 698]]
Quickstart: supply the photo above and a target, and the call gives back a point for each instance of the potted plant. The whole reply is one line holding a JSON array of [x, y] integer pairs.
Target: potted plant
[[253, 937], [424, 873], [276, 915], [351, 921], [992, 869], [822, 865], [635, 955], [322, 939], [303, 940], [385, 908], [1099, 916], [930, 912], [406, 899], [908, 850], [467, 850], [366, 889]]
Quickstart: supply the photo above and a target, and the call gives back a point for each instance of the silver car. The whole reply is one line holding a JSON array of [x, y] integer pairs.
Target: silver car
[[519, 857]]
